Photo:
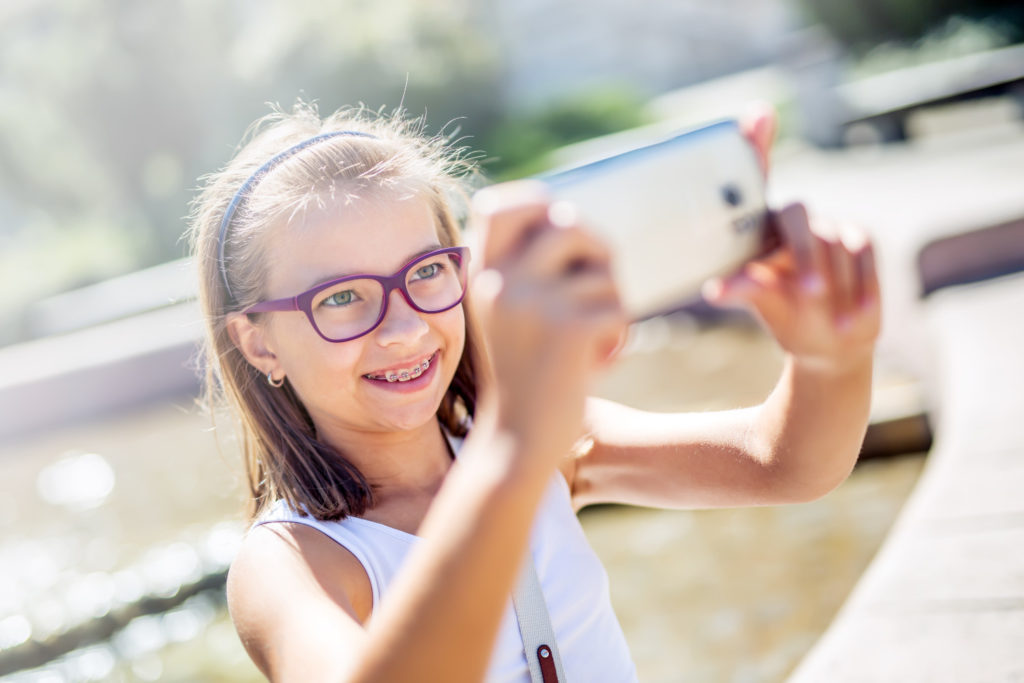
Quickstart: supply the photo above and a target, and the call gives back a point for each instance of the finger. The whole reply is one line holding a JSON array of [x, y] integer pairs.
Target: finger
[[737, 289], [849, 286], [565, 216], [759, 123], [867, 272], [776, 259], [557, 252], [780, 260], [759, 290], [727, 292], [609, 331], [807, 250], [841, 276], [609, 348], [589, 290], [504, 216]]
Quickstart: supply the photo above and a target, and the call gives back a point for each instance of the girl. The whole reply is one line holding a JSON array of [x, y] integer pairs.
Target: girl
[[408, 443]]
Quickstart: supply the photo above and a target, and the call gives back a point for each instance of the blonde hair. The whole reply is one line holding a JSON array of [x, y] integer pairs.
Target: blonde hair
[[283, 457]]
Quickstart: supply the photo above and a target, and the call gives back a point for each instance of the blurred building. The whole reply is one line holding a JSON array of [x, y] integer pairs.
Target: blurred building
[[548, 48]]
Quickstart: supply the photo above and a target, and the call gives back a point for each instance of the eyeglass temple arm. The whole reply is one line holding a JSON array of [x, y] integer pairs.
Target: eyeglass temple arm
[[287, 304]]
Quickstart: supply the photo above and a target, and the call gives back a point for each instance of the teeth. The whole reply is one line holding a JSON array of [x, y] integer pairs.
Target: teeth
[[405, 374]]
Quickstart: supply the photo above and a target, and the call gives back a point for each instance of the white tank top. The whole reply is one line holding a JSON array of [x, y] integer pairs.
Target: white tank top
[[574, 583]]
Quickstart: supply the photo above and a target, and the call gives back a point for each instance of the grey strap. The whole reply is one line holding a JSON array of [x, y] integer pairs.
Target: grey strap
[[535, 628]]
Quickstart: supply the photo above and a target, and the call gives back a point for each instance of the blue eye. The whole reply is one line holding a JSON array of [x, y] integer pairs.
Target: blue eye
[[340, 298], [427, 271]]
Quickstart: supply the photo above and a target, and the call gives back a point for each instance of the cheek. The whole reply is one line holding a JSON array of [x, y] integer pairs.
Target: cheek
[[309, 360]]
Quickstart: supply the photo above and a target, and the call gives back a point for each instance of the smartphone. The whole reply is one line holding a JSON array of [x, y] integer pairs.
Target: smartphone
[[675, 212]]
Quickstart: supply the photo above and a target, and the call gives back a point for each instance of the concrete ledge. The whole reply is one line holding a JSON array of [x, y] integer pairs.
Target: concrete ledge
[[72, 377], [132, 294], [944, 598]]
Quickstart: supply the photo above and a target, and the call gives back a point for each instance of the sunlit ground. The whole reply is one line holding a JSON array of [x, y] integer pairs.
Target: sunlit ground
[[98, 516], [734, 595], [742, 594]]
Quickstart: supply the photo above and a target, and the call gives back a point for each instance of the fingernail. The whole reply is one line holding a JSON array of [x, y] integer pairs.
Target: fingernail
[[489, 200], [485, 202], [563, 214], [812, 283], [712, 289], [756, 109]]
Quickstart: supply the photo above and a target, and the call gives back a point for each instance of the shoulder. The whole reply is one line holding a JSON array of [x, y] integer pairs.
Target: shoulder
[[290, 578], [293, 551]]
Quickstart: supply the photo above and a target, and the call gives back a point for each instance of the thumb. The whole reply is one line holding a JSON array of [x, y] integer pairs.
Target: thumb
[[734, 291], [609, 347], [504, 216], [759, 124], [744, 290]]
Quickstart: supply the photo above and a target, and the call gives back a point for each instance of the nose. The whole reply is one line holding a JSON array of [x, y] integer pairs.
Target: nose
[[402, 324]]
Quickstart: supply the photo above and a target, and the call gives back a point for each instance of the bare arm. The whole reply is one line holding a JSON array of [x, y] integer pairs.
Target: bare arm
[[299, 603], [797, 446], [819, 297]]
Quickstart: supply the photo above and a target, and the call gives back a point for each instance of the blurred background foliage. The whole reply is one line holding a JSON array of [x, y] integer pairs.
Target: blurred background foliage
[[111, 109], [518, 144], [957, 37], [863, 24]]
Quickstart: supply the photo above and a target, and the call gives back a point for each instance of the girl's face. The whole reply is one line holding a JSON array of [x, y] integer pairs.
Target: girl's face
[[343, 385]]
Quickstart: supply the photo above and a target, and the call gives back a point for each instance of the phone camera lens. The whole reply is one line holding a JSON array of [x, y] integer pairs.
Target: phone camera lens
[[732, 196]]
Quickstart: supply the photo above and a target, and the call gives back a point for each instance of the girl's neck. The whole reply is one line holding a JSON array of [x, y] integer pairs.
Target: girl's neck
[[403, 463]]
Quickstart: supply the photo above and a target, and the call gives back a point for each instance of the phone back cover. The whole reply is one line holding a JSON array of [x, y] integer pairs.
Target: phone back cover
[[674, 213]]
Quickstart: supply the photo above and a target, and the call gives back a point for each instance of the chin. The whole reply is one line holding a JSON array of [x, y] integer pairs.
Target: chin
[[409, 418]]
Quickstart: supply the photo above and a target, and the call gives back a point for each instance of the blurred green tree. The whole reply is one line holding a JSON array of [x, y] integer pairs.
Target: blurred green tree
[[112, 108], [862, 24], [519, 143]]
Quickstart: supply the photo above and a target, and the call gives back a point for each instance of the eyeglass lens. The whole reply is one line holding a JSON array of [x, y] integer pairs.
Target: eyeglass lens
[[351, 308]]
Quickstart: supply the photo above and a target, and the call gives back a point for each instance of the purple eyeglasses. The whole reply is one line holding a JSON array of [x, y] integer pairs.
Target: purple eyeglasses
[[349, 307]]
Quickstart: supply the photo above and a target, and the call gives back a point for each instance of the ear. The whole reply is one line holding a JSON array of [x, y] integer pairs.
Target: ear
[[251, 339]]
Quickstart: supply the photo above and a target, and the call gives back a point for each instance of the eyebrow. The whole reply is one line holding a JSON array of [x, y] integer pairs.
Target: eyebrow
[[411, 257]]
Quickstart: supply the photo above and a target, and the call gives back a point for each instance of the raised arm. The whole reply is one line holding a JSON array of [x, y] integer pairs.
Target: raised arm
[[818, 296], [547, 310]]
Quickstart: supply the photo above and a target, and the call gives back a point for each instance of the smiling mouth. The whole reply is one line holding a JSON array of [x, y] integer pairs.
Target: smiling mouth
[[402, 374]]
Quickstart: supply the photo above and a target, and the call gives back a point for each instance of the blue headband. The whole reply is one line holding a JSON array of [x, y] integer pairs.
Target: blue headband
[[251, 181]]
